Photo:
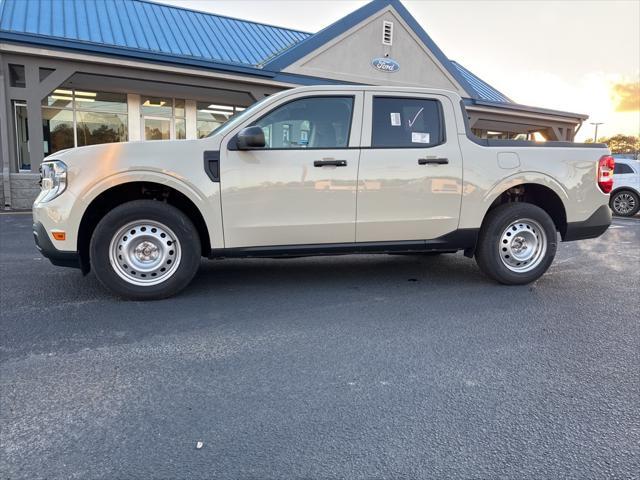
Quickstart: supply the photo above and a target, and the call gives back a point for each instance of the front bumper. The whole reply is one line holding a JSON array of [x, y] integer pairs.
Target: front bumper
[[592, 227], [55, 256]]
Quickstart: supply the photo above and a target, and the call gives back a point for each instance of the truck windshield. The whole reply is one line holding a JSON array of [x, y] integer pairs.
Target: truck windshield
[[233, 121]]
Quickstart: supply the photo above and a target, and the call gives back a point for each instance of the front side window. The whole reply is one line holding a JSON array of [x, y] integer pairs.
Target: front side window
[[406, 123], [315, 122]]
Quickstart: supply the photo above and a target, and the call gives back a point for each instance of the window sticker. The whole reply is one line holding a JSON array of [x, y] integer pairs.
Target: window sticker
[[419, 137], [395, 119]]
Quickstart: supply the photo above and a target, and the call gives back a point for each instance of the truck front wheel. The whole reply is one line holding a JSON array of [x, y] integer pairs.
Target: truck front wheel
[[517, 243], [145, 250]]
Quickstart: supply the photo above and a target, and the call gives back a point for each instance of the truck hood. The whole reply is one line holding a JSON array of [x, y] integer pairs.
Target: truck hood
[[158, 154]]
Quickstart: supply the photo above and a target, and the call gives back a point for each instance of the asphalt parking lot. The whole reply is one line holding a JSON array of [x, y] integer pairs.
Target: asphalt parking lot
[[338, 367]]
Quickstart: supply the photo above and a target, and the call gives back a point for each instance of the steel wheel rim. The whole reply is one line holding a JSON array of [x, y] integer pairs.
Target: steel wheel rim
[[522, 245], [145, 253], [624, 203]]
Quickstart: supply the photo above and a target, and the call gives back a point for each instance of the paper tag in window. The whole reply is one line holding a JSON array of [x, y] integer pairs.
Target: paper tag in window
[[418, 137], [395, 119]]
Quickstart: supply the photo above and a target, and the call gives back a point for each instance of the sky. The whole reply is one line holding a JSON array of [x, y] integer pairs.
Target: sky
[[576, 56]]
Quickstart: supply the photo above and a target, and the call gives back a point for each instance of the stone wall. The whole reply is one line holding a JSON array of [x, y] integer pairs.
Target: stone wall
[[24, 190]]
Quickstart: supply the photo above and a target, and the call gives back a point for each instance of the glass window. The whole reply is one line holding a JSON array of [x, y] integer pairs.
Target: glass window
[[101, 101], [406, 122], [17, 76], [178, 108], [94, 127], [181, 129], [60, 98], [82, 117], [57, 129], [316, 122], [210, 116], [157, 128], [621, 168], [22, 135], [157, 106]]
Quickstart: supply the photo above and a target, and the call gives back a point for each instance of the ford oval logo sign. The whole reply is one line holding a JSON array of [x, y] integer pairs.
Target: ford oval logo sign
[[385, 65]]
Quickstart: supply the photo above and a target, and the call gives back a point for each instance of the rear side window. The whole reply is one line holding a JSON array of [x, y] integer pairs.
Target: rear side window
[[622, 168], [400, 122]]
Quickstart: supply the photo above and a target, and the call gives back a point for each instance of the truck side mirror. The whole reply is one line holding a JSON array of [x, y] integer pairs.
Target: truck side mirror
[[250, 137]]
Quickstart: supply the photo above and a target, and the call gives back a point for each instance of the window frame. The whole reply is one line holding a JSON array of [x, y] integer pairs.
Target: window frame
[[441, 118], [233, 143]]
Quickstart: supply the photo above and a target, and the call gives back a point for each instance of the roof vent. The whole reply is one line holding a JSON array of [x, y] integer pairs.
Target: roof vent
[[387, 32]]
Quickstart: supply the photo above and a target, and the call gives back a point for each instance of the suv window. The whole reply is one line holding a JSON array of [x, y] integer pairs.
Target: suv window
[[622, 168], [312, 122], [406, 123]]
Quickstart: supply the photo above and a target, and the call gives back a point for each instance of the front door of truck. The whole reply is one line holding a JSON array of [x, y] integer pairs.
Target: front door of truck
[[410, 178], [300, 189]]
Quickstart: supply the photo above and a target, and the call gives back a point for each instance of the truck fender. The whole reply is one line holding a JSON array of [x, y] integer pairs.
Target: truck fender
[[203, 202]]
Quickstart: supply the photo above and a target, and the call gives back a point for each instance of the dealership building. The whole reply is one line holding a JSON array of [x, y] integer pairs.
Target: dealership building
[[76, 73]]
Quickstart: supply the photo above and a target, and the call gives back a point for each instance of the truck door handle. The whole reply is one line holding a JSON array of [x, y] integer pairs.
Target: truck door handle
[[433, 161], [333, 163]]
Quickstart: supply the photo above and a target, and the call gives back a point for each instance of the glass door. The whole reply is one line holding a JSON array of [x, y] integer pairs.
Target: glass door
[[163, 118], [22, 136]]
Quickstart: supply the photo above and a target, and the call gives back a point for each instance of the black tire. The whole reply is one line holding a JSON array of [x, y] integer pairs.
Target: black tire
[[490, 249], [622, 199], [187, 244]]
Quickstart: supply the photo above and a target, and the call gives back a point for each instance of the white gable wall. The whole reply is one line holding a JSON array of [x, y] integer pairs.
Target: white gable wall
[[348, 57]]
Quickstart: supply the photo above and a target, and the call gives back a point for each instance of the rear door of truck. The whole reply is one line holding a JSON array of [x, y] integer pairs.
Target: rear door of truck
[[410, 175]]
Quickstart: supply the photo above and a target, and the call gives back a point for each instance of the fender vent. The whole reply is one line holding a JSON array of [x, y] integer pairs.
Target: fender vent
[[212, 164]]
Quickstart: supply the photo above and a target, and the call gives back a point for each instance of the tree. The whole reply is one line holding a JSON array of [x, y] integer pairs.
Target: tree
[[620, 143]]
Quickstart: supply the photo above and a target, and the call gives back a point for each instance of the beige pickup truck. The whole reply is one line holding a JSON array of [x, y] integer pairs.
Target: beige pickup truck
[[320, 171]]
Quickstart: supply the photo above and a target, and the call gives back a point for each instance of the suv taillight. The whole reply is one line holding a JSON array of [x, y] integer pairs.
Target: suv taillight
[[605, 173]]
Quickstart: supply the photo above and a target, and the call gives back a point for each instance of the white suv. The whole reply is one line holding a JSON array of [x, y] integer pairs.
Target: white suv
[[625, 198]]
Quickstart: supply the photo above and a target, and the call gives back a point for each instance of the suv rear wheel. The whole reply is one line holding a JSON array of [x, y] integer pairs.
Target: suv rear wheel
[[145, 250], [517, 243], [625, 203]]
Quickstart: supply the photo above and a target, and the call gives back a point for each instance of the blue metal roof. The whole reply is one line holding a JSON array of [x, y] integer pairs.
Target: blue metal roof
[[482, 90], [143, 26]]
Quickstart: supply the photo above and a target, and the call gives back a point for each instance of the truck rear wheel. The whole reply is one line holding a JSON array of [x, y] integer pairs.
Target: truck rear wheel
[[517, 243], [145, 250]]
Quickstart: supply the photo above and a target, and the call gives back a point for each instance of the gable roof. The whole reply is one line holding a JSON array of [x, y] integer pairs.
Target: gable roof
[[153, 31], [336, 29]]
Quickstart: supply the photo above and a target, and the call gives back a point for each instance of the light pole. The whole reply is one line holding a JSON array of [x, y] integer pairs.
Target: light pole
[[595, 135]]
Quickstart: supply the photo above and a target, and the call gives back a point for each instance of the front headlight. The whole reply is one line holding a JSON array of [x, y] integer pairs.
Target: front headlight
[[53, 179]]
